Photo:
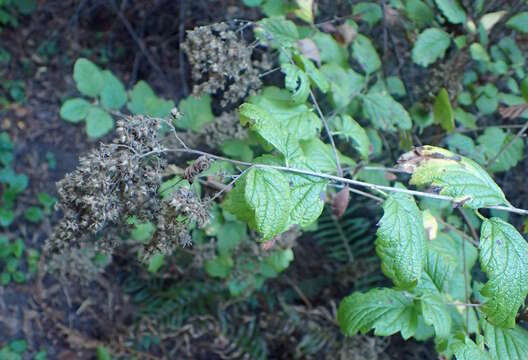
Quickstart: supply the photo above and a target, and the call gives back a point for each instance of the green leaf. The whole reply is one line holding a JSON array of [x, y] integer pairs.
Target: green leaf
[[395, 86], [519, 22], [75, 110], [439, 265], [98, 122], [511, 344], [88, 77], [306, 200], [344, 84], [155, 262], [237, 149], [330, 50], [277, 262], [230, 235], [495, 140], [478, 53], [140, 92], [401, 240], [268, 194], [6, 217], [313, 73], [385, 113], [452, 10], [103, 353], [467, 350], [436, 314], [26, 7], [281, 33], [387, 311], [113, 94], [235, 203], [419, 12], [365, 54], [33, 214], [142, 231], [443, 112], [430, 46], [18, 346], [47, 201], [452, 175], [321, 156], [468, 120], [158, 107], [220, 266], [297, 82], [524, 89], [503, 257], [196, 112], [346, 127], [368, 12]]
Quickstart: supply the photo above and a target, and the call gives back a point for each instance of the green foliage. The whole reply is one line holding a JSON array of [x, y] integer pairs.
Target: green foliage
[[14, 266], [443, 112], [430, 46]]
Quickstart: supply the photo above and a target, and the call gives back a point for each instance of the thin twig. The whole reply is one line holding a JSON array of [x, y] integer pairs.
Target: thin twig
[[468, 223], [334, 178]]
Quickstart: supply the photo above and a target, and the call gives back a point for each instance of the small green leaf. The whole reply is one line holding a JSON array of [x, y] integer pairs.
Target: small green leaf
[[297, 82], [511, 344], [75, 110], [519, 22], [155, 262], [18, 248], [385, 113], [33, 214], [468, 120], [196, 112], [495, 141], [268, 194], [503, 258], [113, 94], [346, 127], [237, 149], [401, 240], [430, 46], [452, 10], [277, 261], [419, 12], [220, 266], [313, 73], [436, 314], [344, 84], [138, 96], [6, 217], [368, 12], [387, 311], [88, 77], [103, 353], [330, 50], [98, 122], [142, 232], [47, 201], [395, 86], [365, 54], [452, 175], [443, 112], [18, 346], [478, 53]]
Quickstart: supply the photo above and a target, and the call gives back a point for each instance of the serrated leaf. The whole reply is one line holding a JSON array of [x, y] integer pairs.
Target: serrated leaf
[[306, 200], [75, 110], [196, 112], [297, 82], [345, 127], [385, 113], [443, 112], [365, 54], [140, 92], [321, 156], [495, 140], [452, 175], [88, 77], [452, 10], [439, 265], [401, 240], [313, 73], [387, 311], [436, 314], [281, 33], [430, 46], [344, 84], [113, 93], [511, 344], [268, 194], [503, 257], [98, 122], [519, 22], [467, 350]]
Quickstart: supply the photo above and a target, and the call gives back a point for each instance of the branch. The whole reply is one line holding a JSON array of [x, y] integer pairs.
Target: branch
[[334, 178]]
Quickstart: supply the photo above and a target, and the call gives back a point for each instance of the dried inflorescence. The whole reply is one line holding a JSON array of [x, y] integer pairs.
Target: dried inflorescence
[[225, 127], [119, 180], [221, 61]]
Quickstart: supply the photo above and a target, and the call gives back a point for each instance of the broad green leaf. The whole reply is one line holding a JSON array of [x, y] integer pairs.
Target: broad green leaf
[[419, 12], [467, 350], [436, 314], [140, 92], [430, 46], [452, 175], [268, 194], [98, 122], [321, 156], [346, 127], [113, 94], [88, 77], [220, 266], [503, 257], [276, 262], [495, 140], [230, 235], [369, 12], [330, 50], [281, 33], [452, 10], [344, 84], [387, 311], [75, 110], [297, 82], [196, 112], [401, 241], [519, 22], [385, 113], [306, 200], [313, 73], [365, 54], [443, 112], [511, 344]]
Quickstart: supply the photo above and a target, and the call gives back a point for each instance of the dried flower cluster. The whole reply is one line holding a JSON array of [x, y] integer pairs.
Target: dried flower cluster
[[225, 127], [221, 61], [119, 180]]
